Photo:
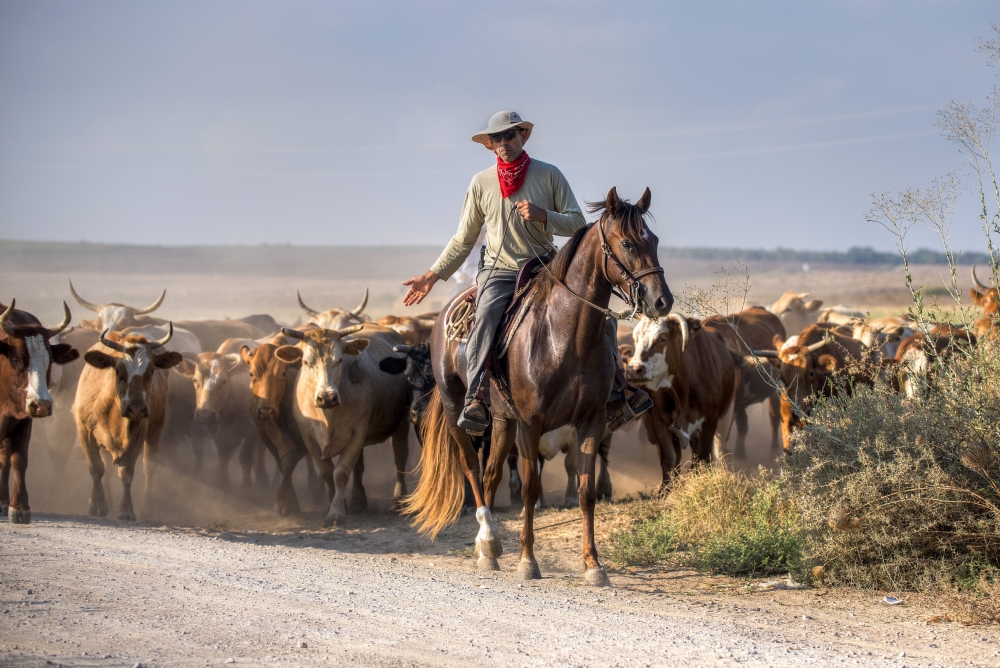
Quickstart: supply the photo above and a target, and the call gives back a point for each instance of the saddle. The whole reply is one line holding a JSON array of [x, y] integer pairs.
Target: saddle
[[460, 319]]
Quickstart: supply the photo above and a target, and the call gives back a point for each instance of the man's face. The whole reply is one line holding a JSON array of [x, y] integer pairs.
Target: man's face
[[510, 144]]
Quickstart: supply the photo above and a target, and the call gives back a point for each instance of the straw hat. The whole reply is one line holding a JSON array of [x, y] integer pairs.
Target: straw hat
[[501, 122]]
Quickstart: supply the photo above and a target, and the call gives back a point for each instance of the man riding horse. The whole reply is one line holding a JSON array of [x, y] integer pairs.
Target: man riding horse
[[523, 203]]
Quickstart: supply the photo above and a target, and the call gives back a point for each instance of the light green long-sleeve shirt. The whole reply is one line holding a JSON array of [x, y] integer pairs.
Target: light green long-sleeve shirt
[[544, 186]]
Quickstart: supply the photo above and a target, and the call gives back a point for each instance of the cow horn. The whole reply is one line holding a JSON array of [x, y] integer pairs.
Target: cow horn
[[768, 354], [816, 346], [305, 308], [347, 331], [683, 324], [80, 300], [152, 307], [362, 305], [401, 349], [114, 345], [975, 279], [293, 333], [170, 333], [4, 324], [67, 316]]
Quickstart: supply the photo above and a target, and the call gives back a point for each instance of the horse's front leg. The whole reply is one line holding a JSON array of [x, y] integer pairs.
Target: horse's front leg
[[590, 439], [527, 446]]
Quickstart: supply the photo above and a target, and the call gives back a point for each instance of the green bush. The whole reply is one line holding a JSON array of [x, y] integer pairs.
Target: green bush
[[900, 493]]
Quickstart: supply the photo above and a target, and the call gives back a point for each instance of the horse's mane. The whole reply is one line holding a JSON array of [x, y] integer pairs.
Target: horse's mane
[[560, 265]]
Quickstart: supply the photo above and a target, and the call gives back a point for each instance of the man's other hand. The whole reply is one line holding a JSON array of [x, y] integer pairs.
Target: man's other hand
[[529, 211], [419, 287]]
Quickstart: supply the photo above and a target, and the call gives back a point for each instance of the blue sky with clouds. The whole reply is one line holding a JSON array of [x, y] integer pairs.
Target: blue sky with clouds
[[754, 124]]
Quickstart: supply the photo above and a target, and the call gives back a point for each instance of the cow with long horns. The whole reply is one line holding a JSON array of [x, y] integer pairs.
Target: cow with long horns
[[988, 299], [120, 406], [115, 317], [336, 318], [344, 402], [26, 359]]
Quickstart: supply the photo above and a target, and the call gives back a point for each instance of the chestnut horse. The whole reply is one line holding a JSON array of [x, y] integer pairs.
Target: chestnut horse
[[560, 371]]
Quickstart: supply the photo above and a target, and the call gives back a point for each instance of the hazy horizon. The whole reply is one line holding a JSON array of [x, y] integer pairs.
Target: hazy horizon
[[755, 126]]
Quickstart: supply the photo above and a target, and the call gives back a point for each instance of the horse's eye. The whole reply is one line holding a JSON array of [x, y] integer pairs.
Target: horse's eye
[[627, 245]]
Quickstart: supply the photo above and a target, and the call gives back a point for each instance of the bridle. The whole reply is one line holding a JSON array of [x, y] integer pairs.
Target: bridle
[[635, 288]]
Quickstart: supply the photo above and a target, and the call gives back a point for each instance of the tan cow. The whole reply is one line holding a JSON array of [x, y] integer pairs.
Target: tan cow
[[115, 317], [795, 312], [336, 318], [413, 330], [345, 402], [120, 405], [211, 333], [692, 378], [222, 395]]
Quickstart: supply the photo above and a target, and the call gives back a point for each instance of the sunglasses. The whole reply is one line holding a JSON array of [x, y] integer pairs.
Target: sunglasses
[[509, 135]]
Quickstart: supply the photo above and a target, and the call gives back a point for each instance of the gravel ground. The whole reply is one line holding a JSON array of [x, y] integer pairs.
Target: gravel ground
[[83, 592]]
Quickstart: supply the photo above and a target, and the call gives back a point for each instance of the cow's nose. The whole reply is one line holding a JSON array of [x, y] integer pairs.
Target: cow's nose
[[205, 416], [39, 408], [136, 411], [635, 372], [265, 412], [327, 399]]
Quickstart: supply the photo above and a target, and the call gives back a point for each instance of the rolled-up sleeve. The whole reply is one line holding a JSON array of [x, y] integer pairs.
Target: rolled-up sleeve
[[567, 217], [469, 226]]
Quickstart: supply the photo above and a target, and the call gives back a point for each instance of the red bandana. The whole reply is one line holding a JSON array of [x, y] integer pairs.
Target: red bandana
[[512, 174]]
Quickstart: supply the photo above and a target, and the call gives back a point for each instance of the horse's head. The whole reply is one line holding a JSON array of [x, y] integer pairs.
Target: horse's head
[[630, 247]]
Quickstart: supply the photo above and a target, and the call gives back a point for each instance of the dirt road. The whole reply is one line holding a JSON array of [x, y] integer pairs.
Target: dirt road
[[83, 592]]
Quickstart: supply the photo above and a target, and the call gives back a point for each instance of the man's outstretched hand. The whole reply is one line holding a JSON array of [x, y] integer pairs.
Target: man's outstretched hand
[[420, 286]]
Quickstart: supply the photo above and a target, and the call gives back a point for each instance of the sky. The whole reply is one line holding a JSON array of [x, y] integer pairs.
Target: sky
[[754, 124]]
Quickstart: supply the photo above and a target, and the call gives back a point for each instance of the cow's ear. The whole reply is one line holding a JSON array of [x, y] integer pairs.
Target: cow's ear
[[289, 354], [63, 353], [392, 365], [812, 305], [977, 297], [230, 362], [168, 359], [827, 362], [693, 325], [98, 359], [246, 354], [186, 368], [355, 346]]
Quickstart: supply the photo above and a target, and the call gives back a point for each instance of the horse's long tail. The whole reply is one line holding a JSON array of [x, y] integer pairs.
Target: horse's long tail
[[437, 500]]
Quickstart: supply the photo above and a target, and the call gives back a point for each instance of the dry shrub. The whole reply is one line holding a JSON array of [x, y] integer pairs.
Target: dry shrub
[[904, 494], [723, 521]]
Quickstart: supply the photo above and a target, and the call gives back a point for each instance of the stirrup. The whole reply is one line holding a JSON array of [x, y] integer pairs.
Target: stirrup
[[631, 408], [473, 424]]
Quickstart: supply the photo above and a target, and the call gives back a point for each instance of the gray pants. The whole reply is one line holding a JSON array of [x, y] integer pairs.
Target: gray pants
[[494, 297]]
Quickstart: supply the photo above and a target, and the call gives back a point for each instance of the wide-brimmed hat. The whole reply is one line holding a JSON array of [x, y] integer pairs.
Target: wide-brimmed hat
[[501, 122]]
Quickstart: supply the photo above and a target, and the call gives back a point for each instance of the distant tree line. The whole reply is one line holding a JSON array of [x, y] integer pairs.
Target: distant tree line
[[855, 255]]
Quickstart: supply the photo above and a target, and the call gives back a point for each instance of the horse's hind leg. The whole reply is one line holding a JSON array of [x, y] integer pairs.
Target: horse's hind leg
[[595, 575], [527, 445], [504, 432]]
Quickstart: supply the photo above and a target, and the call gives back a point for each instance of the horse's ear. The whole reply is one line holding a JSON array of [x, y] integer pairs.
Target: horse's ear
[[612, 202], [643, 203]]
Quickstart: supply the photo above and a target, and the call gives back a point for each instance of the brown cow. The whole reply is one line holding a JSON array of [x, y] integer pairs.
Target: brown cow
[[222, 395], [988, 299], [115, 317], [120, 405], [26, 358], [272, 386], [336, 318], [692, 378], [807, 369], [413, 330], [744, 331]]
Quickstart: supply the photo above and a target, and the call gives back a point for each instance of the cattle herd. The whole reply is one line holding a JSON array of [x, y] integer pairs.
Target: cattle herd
[[125, 381]]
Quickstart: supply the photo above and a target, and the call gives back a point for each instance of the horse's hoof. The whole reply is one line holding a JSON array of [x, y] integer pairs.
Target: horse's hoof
[[597, 577], [487, 565], [527, 569], [19, 516], [331, 520], [489, 549], [126, 516]]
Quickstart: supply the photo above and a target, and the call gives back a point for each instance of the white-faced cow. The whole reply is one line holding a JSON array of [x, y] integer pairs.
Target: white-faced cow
[[692, 378], [336, 318], [795, 312], [344, 402], [26, 359], [120, 405]]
